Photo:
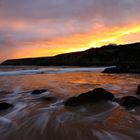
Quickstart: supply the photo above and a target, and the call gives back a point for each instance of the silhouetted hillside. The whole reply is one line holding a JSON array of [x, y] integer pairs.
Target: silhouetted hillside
[[107, 55]]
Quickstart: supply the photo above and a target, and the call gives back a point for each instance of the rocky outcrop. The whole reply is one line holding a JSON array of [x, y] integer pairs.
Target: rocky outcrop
[[96, 95], [123, 69], [129, 101], [115, 70], [5, 106]]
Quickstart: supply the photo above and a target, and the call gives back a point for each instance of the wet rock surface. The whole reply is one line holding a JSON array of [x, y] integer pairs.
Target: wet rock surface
[[123, 69], [129, 101], [96, 95], [5, 106], [115, 70]]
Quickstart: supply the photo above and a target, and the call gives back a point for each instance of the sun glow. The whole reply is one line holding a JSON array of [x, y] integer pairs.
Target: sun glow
[[95, 37], [115, 35]]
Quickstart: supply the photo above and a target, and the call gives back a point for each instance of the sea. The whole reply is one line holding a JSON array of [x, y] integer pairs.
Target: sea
[[33, 117]]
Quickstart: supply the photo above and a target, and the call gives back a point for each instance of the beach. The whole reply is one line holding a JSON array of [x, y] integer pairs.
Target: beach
[[36, 117]]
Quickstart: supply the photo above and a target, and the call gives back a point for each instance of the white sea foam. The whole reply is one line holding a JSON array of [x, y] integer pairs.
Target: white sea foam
[[50, 70]]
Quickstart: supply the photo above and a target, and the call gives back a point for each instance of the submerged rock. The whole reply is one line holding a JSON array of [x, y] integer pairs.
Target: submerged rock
[[49, 99], [96, 95], [37, 92], [138, 90], [4, 106], [129, 101]]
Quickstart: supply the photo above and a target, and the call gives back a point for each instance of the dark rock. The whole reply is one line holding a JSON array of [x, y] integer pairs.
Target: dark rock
[[129, 101], [37, 92], [50, 99], [4, 106], [95, 95], [73, 101], [115, 70], [138, 90], [123, 69]]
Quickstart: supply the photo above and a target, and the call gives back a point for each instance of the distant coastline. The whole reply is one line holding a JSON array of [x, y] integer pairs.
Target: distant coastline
[[110, 55]]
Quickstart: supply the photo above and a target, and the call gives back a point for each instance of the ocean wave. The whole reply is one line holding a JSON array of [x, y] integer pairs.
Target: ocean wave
[[50, 71]]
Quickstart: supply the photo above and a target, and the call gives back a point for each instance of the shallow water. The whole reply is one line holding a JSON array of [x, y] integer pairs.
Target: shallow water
[[35, 118]]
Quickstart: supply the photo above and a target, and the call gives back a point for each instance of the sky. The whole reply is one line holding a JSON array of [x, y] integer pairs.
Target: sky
[[34, 28]]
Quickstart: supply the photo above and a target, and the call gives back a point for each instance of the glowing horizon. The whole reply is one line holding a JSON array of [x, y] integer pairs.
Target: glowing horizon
[[111, 36]]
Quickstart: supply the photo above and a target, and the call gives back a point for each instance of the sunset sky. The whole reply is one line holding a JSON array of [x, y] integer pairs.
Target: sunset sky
[[33, 28]]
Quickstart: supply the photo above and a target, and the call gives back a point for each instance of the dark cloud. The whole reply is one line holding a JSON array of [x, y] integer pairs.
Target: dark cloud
[[58, 13], [34, 9]]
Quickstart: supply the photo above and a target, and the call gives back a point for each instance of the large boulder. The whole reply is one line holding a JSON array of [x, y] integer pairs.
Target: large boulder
[[138, 90], [129, 101], [37, 92], [96, 95], [4, 106]]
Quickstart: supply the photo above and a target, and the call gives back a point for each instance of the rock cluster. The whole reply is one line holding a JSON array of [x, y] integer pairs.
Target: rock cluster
[[90, 97], [100, 94]]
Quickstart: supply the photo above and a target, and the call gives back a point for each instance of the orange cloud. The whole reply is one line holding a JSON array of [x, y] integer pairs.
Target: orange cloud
[[95, 36], [16, 25], [78, 42]]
